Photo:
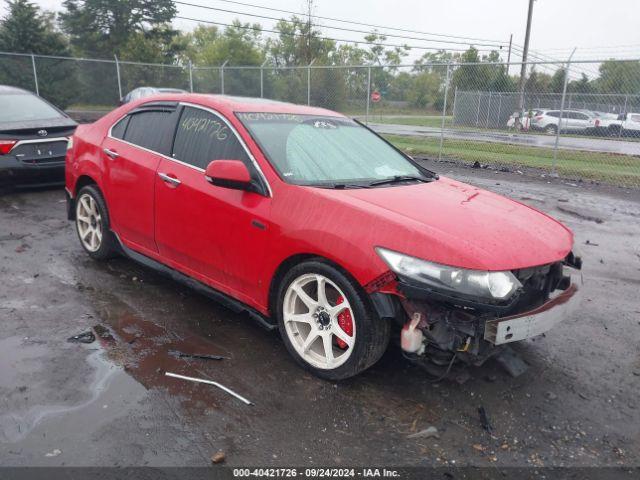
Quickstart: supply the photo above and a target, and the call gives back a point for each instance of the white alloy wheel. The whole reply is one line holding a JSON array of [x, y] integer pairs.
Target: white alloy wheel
[[313, 307], [89, 222]]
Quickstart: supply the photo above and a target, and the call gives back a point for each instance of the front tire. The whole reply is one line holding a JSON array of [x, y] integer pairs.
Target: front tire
[[551, 129], [327, 322], [92, 224]]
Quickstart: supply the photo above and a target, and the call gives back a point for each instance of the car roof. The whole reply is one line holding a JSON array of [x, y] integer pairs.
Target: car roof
[[8, 90], [240, 104]]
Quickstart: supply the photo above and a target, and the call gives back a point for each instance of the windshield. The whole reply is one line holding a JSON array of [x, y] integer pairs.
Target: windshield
[[25, 107], [322, 150]]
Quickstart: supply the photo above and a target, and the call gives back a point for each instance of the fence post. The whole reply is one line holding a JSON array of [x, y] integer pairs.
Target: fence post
[[478, 109], [190, 76], [35, 73], [486, 125], [309, 82], [222, 76], [444, 111], [118, 74], [455, 97], [564, 94], [499, 120], [262, 78], [366, 117], [624, 111]]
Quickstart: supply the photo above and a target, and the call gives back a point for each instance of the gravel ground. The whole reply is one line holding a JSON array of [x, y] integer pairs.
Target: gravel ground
[[108, 403]]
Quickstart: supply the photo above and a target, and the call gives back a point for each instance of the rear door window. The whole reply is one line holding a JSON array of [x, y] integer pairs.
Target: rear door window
[[203, 137], [117, 131], [150, 129]]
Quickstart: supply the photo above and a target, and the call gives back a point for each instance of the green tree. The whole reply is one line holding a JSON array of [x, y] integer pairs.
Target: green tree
[[619, 76], [298, 44], [426, 90], [538, 82], [480, 72], [239, 45], [584, 85], [26, 29], [102, 28], [556, 85]]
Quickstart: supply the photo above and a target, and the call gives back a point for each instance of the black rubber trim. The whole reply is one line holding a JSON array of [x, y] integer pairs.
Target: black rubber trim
[[385, 305], [71, 206], [415, 292], [222, 298]]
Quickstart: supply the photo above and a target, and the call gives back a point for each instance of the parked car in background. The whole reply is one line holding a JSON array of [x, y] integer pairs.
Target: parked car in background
[[33, 139], [627, 124], [315, 225], [548, 121], [142, 92]]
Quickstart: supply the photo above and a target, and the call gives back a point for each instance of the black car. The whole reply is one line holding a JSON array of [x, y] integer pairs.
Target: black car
[[33, 139]]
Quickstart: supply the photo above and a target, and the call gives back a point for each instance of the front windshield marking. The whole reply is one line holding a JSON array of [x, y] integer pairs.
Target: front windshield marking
[[324, 150]]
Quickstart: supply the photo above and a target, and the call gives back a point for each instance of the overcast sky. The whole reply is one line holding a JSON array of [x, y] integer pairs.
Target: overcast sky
[[558, 25]]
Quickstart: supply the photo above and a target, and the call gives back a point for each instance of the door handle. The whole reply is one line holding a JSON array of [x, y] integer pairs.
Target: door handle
[[111, 154], [172, 180]]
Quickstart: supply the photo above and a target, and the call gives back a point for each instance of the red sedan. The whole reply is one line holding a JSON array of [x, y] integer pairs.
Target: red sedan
[[315, 225]]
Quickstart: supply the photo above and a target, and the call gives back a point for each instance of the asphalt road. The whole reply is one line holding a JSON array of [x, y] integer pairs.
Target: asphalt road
[[602, 145], [108, 403]]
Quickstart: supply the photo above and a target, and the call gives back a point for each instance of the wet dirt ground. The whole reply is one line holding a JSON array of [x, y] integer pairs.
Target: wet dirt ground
[[108, 402]]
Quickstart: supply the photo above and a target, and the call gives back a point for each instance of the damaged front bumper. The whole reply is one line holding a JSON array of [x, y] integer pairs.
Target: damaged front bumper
[[437, 326], [537, 321]]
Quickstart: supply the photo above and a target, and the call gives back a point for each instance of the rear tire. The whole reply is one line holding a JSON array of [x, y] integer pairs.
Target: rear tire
[[92, 224], [311, 323]]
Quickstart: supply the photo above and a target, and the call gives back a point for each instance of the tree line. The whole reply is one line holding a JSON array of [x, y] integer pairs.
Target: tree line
[[142, 31]]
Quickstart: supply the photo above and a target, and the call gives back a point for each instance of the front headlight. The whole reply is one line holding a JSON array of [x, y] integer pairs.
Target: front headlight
[[70, 144], [477, 283]]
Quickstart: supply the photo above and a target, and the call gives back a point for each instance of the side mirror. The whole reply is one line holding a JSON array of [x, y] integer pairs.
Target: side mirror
[[229, 174]]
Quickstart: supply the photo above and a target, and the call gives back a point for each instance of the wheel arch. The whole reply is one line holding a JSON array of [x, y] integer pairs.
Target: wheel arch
[[81, 182], [293, 260]]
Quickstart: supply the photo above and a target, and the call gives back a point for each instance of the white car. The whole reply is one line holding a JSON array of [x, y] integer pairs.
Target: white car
[[572, 121], [626, 124]]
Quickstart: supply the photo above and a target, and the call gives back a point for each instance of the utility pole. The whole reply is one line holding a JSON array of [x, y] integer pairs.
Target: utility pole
[[509, 54], [525, 53], [309, 27]]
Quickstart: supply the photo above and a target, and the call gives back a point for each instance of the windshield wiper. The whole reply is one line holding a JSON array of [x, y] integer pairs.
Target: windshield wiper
[[337, 186], [342, 186], [398, 179]]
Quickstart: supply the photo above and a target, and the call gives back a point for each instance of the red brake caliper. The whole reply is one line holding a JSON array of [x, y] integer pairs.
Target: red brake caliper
[[345, 322]]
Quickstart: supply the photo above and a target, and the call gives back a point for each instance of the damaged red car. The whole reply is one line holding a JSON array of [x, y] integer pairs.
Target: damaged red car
[[317, 226]]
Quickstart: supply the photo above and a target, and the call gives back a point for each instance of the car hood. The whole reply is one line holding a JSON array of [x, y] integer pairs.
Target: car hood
[[452, 223]]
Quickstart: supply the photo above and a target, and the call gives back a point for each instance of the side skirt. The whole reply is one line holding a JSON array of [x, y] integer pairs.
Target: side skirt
[[222, 298]]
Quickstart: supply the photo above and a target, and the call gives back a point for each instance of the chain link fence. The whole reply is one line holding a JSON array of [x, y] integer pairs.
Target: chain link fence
[[579, 120]]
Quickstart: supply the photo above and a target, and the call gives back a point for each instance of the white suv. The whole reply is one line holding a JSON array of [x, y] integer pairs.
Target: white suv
[[572, 120]]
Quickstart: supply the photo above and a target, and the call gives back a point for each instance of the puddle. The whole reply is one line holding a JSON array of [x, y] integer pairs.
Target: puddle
[[19, 360]]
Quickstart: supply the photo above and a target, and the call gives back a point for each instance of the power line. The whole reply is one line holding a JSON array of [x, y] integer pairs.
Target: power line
[[260, 29], [352, 22], [635, 47], [339, 28]]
